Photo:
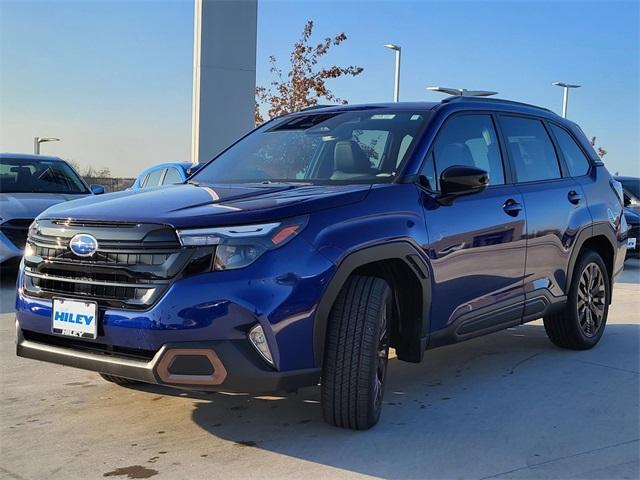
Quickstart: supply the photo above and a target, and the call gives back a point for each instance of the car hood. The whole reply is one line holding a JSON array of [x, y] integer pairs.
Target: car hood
[[30, 205], [189, 205]]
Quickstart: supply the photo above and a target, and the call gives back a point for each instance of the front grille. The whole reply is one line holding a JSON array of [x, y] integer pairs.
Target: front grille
[[115, 258], [16, 231], [79, 288], [89, 346], [133, 266]]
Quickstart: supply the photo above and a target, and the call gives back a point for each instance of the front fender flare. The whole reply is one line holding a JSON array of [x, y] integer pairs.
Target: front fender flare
[[404, 250]]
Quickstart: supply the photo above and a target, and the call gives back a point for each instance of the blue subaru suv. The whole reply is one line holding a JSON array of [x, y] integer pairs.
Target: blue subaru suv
[[305, 251]]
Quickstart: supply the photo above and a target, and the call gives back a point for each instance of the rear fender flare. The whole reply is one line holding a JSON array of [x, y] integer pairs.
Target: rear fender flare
[[596, 230]]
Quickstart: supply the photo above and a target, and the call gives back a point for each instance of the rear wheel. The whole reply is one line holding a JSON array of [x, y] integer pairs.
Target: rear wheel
[[123, 382], [581, 324], [356, 354]]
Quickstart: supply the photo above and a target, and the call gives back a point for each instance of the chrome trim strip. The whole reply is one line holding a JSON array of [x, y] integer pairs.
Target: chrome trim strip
[[95, 282], [121, 249]]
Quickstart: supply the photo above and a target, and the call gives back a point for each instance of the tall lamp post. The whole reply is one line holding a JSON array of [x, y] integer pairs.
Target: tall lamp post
[[38, 140], [565, 96], [396, 82]]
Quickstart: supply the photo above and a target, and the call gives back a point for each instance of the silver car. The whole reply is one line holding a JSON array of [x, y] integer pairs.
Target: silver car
[[29, 184]]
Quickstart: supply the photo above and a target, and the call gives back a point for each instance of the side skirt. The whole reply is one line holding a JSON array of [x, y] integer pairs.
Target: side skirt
[[494, 318]]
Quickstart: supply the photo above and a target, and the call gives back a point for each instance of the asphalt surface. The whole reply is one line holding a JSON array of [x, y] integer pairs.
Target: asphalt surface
[[509, 405]]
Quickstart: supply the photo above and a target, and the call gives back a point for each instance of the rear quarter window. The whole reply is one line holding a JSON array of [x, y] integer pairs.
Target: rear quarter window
[[576, 161]]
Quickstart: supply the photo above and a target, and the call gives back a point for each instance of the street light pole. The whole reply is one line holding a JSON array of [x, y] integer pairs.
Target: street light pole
[[396, 82], [565, 95], [38, 140]]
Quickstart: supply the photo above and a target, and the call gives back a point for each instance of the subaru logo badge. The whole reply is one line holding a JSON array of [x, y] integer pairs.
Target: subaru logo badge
[[83, 245]]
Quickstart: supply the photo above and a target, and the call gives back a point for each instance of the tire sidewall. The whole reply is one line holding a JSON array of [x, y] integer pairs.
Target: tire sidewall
[[586, 259], [375, 407]]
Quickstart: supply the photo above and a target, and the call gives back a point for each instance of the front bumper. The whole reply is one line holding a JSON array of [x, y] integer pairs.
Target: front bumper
[[279, 292], [224, 365]]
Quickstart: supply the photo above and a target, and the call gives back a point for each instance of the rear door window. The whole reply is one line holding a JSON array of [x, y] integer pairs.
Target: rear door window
[[530, 149]]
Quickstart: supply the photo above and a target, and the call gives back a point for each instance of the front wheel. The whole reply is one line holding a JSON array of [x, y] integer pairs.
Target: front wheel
[[581, 324], [356, 354]]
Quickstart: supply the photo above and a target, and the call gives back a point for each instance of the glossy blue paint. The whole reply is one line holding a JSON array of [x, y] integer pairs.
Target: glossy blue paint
[[478, 256], [276, 291], [478, 260]]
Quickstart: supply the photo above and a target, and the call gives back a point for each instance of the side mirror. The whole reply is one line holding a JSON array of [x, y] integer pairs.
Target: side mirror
[[457, 180], [96, 189]]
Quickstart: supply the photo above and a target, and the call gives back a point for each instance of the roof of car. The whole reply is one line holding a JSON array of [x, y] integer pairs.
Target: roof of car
[[372, 106], [158, 166], [626, 177], [28, 156], [462, 101]]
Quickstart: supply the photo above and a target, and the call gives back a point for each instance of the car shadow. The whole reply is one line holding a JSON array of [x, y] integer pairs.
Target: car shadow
[[463, 411], [631, 272], [8, 276]]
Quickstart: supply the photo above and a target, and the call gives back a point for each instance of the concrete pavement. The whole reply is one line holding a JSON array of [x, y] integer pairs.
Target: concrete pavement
[[510, 405]]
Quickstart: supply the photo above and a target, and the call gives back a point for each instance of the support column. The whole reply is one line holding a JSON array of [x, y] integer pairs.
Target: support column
[[224, 74]]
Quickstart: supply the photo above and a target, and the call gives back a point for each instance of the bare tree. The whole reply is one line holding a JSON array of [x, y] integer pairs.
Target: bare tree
[[89, 171], [601, 151], [305, 83]]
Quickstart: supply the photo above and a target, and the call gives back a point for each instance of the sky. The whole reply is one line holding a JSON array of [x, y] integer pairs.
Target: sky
[[113, 80]]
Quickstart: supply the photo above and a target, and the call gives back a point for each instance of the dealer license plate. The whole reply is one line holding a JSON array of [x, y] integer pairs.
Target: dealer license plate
[[75, 318]]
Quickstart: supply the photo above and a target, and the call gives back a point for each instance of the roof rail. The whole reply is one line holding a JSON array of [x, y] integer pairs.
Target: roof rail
[[314, 107], [462, 92], [494, 100]]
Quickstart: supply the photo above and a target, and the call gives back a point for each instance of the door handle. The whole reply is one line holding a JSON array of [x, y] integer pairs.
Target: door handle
[[574, 197], [511, 207]]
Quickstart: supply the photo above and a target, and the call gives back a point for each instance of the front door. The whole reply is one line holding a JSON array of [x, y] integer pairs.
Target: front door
[[477, 245]]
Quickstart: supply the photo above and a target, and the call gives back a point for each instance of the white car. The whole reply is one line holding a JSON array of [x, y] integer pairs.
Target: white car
[[29, 184]]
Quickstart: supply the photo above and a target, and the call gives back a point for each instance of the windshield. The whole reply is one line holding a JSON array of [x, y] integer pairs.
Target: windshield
[[358, 146], [19, 175], [632, 185]]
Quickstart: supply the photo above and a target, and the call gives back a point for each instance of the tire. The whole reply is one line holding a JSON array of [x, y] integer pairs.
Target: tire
[[121, 381], [582, 322], [356, 354]]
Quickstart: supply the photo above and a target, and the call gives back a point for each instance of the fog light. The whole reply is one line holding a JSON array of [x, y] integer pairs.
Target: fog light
[[259, 342]]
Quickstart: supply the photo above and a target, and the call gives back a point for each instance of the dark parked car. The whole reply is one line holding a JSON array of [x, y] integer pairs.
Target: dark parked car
[[306, 250], [29, 184], [164, 174], [631, 190], [633, 235]]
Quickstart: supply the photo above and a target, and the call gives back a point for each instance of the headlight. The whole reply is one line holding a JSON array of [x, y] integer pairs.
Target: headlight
[[240, 246]]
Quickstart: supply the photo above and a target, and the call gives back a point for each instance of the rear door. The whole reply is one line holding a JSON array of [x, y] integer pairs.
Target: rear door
[[477, 244], [556, 208]]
